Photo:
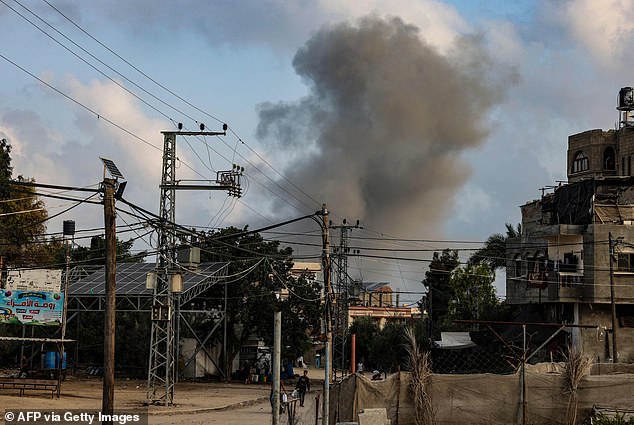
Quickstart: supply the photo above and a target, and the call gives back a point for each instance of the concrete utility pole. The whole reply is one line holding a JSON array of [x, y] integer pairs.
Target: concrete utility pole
[[612, 243], [109, 322], [68, 230], [328, 315], [277, 357]]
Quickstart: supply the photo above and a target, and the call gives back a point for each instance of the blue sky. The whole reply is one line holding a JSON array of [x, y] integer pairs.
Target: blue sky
[[399, 149]]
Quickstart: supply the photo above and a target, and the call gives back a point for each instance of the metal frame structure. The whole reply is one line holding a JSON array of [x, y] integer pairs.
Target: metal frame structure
[[87, 294], [342, 295], [165, 314]]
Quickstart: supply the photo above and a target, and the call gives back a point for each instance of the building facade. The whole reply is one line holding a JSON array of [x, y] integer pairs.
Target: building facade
[[561, 265], [377, 300]]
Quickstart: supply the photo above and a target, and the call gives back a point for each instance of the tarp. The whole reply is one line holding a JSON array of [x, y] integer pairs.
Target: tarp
[[482, 398], [455, 340]]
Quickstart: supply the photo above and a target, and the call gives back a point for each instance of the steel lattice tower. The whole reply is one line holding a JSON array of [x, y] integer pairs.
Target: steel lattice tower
[[163, 345], [161, 374], [342, 287]]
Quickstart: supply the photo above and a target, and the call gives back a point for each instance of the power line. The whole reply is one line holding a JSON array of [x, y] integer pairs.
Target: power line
[[165, 103]]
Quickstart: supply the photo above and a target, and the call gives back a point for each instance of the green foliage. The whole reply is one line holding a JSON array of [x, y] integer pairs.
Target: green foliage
[[472, 295], [22, 217], [132, 335], [257, 267], [438, 283], [6, 170], [301, 314], [601, 418], [96, 253], [384, 349], [494, 251], [460, 293], [366, 330], [388, 352]]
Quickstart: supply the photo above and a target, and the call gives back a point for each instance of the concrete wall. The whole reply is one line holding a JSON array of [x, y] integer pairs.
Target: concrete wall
[[593, 143], [597, 343]]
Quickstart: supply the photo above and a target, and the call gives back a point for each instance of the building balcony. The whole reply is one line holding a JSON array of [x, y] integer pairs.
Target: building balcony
[[567, 288]]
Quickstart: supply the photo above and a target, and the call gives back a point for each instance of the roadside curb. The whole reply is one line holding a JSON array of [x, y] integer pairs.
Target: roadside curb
[[208, 409]]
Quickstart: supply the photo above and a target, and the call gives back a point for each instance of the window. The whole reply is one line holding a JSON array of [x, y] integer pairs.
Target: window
[[625, 314], [609, 159], [517, 262], [580, 162], [625, 262], [570, 263], [536, 275]]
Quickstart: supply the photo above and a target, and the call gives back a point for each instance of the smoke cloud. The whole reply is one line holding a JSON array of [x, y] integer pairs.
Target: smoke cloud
[[383, 133]]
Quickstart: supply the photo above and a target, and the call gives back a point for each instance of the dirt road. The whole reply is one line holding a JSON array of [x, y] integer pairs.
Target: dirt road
[[256, 414], [194, 403]]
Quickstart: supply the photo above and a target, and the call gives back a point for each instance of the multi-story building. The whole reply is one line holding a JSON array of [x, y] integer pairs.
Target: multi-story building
[[376, 300], [561, 265]]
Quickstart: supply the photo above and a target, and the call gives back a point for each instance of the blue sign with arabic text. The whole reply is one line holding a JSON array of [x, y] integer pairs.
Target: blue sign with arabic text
[[31, 307]]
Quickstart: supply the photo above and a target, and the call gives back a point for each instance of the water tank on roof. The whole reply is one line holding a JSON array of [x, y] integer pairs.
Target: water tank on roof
[[626, 99], [69, 228]]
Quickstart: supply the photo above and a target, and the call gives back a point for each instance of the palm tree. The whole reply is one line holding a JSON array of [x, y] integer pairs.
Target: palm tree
[[494, 251]]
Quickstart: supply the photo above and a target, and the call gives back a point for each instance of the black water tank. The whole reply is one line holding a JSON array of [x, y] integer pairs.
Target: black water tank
[[626, 99], [69, 227]]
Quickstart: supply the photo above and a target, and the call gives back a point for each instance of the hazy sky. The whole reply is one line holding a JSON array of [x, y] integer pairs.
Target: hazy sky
[[426, 120]]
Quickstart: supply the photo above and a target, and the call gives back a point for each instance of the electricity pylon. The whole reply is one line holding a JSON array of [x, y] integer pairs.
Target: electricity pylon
[[162, 363], [342, 294]]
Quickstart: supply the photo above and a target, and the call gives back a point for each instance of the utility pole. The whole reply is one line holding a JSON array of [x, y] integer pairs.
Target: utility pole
[[277, 357], [612, 243], [342, 294], [68, 230], [328, 314], [162, 363], [109, 322]]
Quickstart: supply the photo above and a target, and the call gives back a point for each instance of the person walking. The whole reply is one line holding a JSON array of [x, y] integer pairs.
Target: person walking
[[303, 385], [282, 392]]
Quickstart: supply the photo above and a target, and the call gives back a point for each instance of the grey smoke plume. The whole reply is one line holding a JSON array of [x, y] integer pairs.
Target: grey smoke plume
[[382, 135]]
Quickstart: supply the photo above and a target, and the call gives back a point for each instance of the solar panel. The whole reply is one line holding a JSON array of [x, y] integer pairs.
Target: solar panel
[[130, 279], [114, 171]]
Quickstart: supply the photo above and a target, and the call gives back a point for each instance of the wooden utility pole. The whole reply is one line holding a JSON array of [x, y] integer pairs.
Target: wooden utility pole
[[109, 322]]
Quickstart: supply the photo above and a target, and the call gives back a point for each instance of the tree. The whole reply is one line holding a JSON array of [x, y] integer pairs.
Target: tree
[[388, 352], [256, 268], [96, 253], [472, 295], [459, 293], [366, 330], [22, 217], [301, 314], [439, 293], [494, 251]]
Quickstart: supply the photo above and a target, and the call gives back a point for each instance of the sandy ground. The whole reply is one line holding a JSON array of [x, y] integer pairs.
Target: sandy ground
[[194, 403]]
